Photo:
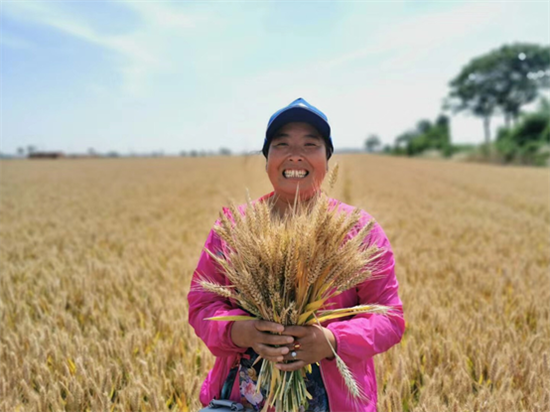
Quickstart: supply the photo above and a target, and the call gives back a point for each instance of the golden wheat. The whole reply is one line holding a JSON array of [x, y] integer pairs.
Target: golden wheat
[[96, 258], [254, 239]]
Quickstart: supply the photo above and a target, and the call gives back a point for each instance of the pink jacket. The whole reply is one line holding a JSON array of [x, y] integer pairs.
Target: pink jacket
[[358, 338]]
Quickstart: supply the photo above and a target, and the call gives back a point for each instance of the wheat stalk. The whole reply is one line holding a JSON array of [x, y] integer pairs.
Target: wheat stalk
[[284, 269]]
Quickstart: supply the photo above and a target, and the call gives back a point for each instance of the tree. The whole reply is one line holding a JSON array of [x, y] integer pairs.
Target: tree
[[525, 141], [440, 135], [402, 143], [525, 70], [423, 126], [501, 81], [21, 151], [372, 143], [425, 136]]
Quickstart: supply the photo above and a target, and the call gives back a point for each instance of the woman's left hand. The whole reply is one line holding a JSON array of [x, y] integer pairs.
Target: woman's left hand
[[310, 346]]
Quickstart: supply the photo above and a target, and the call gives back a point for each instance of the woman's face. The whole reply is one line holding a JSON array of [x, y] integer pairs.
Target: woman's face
[[297, 156]]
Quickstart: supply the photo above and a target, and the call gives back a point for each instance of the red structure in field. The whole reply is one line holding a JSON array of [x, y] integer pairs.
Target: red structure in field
[[46, 155]]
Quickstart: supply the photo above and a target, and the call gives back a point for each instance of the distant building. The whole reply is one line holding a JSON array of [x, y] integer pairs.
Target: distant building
[[46, 155]]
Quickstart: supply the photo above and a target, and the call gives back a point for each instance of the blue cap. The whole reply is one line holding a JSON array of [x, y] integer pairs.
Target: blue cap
[[299, 111]]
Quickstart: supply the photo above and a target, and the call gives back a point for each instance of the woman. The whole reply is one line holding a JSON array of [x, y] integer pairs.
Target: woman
[[297, 148]]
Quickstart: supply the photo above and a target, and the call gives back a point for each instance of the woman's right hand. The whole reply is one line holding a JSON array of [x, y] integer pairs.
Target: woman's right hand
[[262, 336]]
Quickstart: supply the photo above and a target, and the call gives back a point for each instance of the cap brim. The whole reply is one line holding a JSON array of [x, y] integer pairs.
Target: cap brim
[[297, 114]]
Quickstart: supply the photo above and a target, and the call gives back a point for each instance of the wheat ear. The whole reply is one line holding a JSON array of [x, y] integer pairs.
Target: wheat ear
[[333, 176], [349, 380]]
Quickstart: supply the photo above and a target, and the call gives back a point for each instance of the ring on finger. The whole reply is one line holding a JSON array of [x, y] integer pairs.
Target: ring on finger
[[297, 346], [293, 354]]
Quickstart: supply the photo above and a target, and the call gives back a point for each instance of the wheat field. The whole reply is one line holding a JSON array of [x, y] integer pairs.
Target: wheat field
[[96, 257]]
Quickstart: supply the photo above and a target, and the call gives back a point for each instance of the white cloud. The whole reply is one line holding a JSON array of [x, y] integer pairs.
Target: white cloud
[[143, 51], [411, 39], [162, 15], [396, 75], [14, 42], [413, 62]]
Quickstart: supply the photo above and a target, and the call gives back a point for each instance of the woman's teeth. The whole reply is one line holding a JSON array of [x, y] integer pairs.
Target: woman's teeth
[[295, 173]]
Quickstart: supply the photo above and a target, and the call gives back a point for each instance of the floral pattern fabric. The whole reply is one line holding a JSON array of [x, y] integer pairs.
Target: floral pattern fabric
[[248, 375]]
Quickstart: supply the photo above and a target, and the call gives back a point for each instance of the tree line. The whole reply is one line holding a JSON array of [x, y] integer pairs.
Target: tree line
[[500, 82]]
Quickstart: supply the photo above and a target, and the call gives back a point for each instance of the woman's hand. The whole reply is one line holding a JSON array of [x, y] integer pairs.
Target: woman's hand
[[310, 346], [262, 336]]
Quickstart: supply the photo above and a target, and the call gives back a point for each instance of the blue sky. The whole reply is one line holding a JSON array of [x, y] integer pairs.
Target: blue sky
[[141, 76]]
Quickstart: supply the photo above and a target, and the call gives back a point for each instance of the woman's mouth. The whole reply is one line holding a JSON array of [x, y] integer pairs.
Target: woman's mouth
[[295, 173]]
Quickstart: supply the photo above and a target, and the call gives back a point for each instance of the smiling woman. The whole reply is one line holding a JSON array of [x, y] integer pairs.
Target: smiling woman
[[297, 160], [297, 148]]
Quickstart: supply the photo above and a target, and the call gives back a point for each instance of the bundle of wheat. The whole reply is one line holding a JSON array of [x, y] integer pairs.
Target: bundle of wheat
[[285, 269]]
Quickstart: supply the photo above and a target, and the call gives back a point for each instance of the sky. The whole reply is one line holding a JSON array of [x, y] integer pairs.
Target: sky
[[172, 76]]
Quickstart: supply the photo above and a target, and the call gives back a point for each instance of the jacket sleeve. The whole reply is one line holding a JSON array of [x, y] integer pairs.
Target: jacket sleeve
[[215, 334], [365, 335]]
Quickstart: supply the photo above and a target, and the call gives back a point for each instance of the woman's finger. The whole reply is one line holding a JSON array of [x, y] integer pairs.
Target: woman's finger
[[296, 331], [296, 345], [294, 355], [267, 326], [277, 340], [270, 353], [291, 366]]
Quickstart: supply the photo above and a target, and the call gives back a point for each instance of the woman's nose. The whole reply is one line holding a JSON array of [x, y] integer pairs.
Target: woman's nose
[[295, 153], [295, 157]]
